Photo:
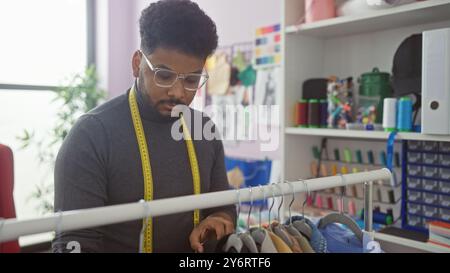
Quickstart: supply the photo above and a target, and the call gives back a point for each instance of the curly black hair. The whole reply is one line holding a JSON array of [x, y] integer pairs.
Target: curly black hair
[[179, 25]]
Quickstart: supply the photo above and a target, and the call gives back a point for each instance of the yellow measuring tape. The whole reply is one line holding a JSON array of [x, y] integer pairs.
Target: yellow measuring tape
[[147, 169]]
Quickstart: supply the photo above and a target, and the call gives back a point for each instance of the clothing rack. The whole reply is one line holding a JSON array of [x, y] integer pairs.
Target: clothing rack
[[87, 218]]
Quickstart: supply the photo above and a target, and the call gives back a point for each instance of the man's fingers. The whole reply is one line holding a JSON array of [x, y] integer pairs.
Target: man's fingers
[[194, 240]]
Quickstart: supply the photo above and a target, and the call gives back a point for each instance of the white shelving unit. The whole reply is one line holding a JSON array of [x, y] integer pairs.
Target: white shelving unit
[[369, 135], [344, 46]]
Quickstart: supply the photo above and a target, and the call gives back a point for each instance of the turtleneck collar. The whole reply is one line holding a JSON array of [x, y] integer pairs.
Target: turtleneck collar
[[147, 111]]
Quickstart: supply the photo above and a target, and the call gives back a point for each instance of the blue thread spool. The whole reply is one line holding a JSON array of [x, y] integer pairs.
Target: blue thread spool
[[404, 115]]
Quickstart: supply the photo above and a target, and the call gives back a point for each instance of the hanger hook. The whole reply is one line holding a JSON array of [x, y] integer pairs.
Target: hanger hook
[[251, 205], [262, 205], [343, 189], [293, 199], [238, 192], [281, 203], [273, 199], [306, 198]]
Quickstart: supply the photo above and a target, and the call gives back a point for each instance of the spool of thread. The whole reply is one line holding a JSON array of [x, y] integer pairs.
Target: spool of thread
[[323, 170], [351, 208], [319, 202], [389, 114], [314, 169], [309, 200], [336, 155], [383, 159], [323, 108], [313, 114], [302, 114], [370, 157], [404, 115], [359, 157], [334, 170], [344, 170], [348, 155], [330, 203], [380, 217], [340, 206]]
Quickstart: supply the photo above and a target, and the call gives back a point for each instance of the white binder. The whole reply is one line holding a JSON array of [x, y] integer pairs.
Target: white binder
[[436, 82]]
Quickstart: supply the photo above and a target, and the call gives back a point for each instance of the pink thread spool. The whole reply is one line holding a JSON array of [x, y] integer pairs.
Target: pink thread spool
[[351, 208], [316, 10]]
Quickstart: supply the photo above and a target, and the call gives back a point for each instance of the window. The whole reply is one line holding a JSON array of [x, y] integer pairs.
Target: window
[[44, 43]]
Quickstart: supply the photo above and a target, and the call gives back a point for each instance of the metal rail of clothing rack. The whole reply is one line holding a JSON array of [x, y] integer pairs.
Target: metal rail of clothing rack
[[11, 229]]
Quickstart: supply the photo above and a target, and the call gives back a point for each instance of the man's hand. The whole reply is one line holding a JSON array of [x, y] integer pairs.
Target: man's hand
[[219, 223]]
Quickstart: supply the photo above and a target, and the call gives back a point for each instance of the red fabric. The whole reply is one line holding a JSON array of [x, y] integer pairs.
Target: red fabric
[[7, 209]]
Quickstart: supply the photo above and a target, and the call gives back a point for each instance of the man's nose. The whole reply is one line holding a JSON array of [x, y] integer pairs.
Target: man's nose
[[177, 90]]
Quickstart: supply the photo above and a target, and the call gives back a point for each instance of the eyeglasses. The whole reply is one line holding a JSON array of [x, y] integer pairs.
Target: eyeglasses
[[167, 78]]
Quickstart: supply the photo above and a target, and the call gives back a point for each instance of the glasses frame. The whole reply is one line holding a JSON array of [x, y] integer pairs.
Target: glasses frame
[[179, 75]]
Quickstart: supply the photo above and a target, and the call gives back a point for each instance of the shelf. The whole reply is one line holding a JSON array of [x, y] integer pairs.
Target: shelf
[[355, 134], [410, 14]]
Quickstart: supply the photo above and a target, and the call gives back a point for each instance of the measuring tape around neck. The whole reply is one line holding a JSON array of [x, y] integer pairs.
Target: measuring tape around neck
[[147, 169]]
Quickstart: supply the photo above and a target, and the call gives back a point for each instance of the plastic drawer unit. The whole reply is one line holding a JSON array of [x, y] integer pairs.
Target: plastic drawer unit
[[430, 146], [444, 187], [414, 157], [444, 147], [444, 160], [430, 198], [415, 221], [414, 183], [431, 211], [444, 200], [431, 159], [414, 170], [430, 185], [445, 174], [431, 172], [414, 208], [414, 196], [445, 214], [414, 145]]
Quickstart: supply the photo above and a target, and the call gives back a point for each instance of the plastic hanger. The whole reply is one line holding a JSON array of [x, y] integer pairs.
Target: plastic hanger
[[233, 240], [278, 229], [245, 237], [341, 218], [301, 225], [290, 227]]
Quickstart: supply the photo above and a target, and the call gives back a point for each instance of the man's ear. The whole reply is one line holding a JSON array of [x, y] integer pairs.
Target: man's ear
[[136, 63]]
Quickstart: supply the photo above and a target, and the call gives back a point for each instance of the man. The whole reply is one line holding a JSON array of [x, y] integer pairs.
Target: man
[[102, 162]]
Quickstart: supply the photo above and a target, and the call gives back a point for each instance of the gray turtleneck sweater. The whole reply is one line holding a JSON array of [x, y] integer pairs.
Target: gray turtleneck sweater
[[99, 165]]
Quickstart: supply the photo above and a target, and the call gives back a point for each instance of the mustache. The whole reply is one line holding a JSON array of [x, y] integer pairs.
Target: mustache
[[170, 101]]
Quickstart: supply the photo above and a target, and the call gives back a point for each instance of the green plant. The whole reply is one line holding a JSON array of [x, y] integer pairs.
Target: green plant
[[78, 97]]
